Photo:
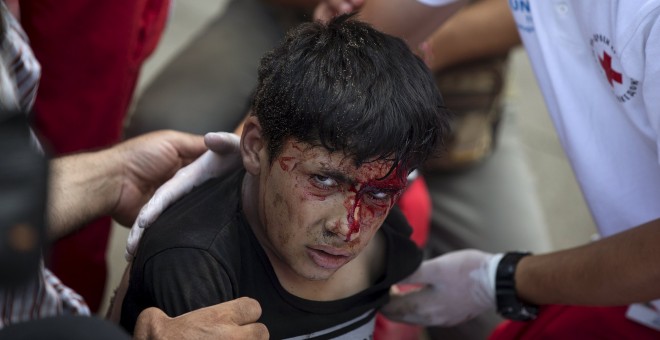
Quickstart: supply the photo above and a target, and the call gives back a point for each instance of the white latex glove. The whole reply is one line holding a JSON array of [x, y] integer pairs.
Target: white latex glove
[[457, 287], [223, 157]]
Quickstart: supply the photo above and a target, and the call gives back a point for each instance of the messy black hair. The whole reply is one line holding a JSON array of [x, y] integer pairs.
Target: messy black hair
[[350, 88]]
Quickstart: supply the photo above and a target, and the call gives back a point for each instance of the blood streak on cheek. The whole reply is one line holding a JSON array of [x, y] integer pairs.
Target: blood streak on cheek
[[353, 223]]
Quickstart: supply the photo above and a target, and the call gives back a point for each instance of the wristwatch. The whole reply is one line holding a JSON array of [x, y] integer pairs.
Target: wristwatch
[[509, 305]]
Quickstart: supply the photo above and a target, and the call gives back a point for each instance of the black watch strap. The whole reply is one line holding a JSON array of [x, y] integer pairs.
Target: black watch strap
[[508, 303]]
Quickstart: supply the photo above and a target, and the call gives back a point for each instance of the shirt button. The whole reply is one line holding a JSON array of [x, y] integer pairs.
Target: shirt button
[[561, 8]]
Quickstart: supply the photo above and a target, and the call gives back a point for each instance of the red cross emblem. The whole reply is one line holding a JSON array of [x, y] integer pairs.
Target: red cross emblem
[[606, 64]]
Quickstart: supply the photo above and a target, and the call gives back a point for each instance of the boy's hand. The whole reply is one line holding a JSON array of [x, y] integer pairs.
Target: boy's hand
[[222, 158]]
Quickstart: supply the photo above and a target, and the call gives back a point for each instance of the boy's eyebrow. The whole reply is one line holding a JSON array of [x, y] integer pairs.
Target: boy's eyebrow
[[338, 175]]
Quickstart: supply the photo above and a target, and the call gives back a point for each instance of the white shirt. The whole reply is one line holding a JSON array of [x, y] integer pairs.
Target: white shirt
[[597, 63]]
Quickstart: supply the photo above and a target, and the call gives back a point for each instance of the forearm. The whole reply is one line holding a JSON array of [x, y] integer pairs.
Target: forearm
[[82, 187], [617, 270], [481, 30], [408, 19]]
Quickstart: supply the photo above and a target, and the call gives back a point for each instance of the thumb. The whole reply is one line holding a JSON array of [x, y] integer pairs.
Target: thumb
[[242, 311], [133, 240]]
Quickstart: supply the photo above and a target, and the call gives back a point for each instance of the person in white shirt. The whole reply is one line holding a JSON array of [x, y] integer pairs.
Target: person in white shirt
[[598, 68]]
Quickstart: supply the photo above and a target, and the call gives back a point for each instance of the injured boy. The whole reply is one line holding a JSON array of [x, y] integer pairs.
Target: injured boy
[[342, 113]]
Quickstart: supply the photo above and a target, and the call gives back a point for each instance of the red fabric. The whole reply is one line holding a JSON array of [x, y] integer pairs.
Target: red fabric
[[90, 52], [575, 322], [415, 203], [389, 330]]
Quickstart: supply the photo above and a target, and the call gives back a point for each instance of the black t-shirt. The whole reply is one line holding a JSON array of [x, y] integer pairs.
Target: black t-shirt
[[202, 251]]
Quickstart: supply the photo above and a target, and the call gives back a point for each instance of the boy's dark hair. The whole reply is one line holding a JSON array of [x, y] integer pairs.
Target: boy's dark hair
[[347, 87]]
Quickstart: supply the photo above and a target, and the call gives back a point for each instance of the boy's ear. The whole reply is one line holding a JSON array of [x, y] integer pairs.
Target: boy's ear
[[253, 145]]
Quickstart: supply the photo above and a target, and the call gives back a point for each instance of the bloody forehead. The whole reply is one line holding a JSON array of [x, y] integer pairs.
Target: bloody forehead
[[395, 182], [378, 173], [382, 175]]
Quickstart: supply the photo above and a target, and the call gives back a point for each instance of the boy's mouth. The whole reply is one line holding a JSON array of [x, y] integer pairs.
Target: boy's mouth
[[328, 257]]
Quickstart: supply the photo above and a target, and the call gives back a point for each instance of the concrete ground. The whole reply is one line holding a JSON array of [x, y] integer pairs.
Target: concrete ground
[[567, 217]]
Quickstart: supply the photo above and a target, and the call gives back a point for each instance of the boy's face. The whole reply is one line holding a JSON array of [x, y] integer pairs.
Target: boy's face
[[318, 211]]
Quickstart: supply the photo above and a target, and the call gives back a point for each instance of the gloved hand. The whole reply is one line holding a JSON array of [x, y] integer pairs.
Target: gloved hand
[[223, 157], [457, 287]]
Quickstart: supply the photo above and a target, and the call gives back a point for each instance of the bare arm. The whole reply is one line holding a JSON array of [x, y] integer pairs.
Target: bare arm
[[480, 30], [617, 270], [115, 181], [72, 180], [408, 19]]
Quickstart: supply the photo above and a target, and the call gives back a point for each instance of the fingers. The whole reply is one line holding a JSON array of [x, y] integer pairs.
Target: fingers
[[323, 12], [189, 146], [210, 164], [243, 310], [251, 331], [182, 183], [340, 6], [411, 307], [222, 142], [428, 307], [344, 6], [327, 9], [234, 319], [460, 286], [162, 198], [223, 157], [133, 240], [435, 270]]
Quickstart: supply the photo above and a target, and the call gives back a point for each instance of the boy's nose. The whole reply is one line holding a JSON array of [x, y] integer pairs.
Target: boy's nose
[[346, 224]]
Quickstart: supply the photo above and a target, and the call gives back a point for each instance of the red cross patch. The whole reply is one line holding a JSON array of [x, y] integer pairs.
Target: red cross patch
[[610, 73]]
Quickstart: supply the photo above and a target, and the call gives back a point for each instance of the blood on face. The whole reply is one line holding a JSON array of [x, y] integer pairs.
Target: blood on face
[[370, 190], [364, 205]]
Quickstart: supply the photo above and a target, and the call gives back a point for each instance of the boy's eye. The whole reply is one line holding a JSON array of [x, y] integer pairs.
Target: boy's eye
[[380, 195], [323, 181]]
